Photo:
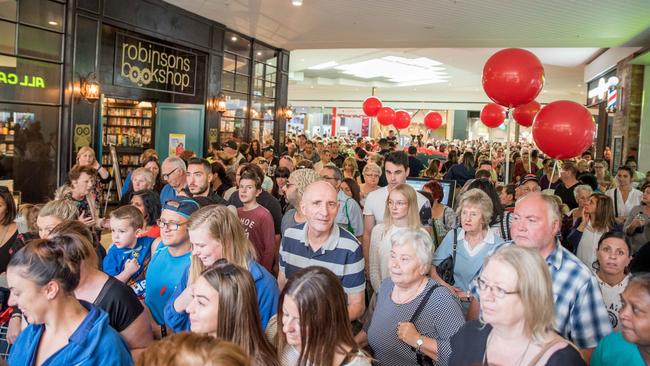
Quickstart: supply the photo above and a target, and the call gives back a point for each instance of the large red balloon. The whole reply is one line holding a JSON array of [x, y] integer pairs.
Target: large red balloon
[[564, 129], [492, 115], [433, 120], [402, 119], [386, 116], [525, 114], [371, 106], [512, 77]]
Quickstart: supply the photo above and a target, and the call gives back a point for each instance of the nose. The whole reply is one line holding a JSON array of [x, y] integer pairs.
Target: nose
[[12, 300]]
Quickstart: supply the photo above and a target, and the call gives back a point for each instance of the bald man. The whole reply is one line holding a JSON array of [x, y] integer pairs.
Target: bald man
[[320, 242]]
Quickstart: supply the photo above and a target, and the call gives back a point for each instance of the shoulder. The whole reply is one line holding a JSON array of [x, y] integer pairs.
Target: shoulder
[[347, 240], [473, 331], [565, 354], [377, 194]]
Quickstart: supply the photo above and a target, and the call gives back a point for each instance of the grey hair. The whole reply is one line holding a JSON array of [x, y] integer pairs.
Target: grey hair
[[372, 166], [146, 174], [421, 243], [176, 162], [582, 187], [337, 172], [477, 197]]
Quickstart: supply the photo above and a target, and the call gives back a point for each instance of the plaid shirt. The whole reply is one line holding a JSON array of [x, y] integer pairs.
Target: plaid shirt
[[580, 313]]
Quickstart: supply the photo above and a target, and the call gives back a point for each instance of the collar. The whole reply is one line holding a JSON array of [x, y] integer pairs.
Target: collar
[[79, 336], [556, 257], [329, 244], [489, 237]]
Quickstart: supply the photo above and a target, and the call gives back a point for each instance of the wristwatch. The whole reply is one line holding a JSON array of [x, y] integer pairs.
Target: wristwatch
[[419, 344]]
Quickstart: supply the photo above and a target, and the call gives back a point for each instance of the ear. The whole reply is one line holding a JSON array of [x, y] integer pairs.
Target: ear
[[51, 290]]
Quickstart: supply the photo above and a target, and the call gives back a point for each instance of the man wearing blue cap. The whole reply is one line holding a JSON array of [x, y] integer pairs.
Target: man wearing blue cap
[[170, 256]]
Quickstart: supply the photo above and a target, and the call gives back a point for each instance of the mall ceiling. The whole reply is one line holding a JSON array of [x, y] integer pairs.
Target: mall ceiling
[[325, 24]]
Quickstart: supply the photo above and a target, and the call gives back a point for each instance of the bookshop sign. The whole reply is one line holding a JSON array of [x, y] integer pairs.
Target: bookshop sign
[[149, 65]]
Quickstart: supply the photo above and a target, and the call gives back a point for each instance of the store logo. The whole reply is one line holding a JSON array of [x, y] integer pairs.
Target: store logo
[[151, 65], [28, 81]]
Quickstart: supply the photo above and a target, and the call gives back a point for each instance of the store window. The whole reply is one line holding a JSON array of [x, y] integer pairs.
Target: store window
[[264, 104]]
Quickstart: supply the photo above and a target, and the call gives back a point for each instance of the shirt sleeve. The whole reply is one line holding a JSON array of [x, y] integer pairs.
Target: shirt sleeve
[[111, 264], [444, 250], [589, 318], [282, 264], [448, 319], [354, 277], [268, 235], [177, 321], [124, 307], [356, 217]]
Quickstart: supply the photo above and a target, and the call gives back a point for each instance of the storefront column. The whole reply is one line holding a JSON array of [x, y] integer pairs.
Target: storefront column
[[627, 120], [644, 133]]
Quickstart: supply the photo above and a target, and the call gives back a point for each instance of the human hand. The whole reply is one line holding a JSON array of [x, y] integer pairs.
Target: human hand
[[407, 333], [14, 328], [131, 266], [87, 219]]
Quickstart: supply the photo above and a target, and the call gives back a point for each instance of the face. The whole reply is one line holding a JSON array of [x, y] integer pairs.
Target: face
[[531, 226], [3, 208], [591, 205], [632, 165], [204, 247], [623, 178], [646, 196], [171, 237], [291, 321], [173, 175], [139, 204], [326, 156], [505, 311], [29, 297], [286, 162], [247, 190], [152, 167], [395, 174], [398, 204], [404, 265], [505, 198], [583, 198], [290, 192], [346, 189], [319, 205], [123, 233], [83, 185], [46, 224], [329, 176], [139, 183], [204, 307], [583, 166], [635, 315], [613, 256], [229, 151], [471, 219], [599, 169], [371, 178], [565, 174], [198, 180], [530, 186], [309, 148], [86, 159]]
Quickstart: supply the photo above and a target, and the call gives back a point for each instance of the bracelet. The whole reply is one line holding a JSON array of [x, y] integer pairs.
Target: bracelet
[[16, 315]]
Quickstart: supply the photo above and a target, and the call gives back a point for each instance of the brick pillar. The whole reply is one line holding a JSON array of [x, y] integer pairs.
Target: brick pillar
[[627, 120]]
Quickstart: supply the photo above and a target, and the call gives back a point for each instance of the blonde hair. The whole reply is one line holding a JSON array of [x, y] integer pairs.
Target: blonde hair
[[81, 151], [413, 217], [192, 349], [223, 225], [478, 198], [30, 212], [351, 161], [144, 157], [372, 166], [534, 288], [61, 208], [146, 174]]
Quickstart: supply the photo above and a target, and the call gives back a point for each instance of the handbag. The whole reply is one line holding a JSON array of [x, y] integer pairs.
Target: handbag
[[446, 268], [423, 360]]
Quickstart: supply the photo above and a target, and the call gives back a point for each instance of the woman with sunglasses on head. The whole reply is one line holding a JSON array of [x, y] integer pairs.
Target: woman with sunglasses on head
[[517, 315], [216, 233], [313, 323], [223, 304], [62, 330], [597, 219]]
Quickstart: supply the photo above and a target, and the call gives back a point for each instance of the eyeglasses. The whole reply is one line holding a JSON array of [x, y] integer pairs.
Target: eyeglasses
[[262, 161], [326, 177], [397, 203], [165, 176], [497, 291], [173, 226]]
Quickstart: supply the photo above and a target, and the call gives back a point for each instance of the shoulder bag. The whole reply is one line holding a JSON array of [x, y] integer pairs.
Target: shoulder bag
[[446, 268], [423, 360]]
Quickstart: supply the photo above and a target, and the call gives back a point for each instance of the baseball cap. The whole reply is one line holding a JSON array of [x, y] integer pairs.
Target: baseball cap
[[268, 148], [184, 207], [528, 178], [231, 144]]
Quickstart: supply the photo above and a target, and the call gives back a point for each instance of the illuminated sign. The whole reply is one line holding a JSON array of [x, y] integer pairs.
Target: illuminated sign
[[148, 65], [597, 90], [27, 81]]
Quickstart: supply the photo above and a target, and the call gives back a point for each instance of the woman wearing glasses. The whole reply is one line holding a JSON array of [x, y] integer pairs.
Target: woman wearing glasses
[[223, 304], [517, 314], [371, 174]]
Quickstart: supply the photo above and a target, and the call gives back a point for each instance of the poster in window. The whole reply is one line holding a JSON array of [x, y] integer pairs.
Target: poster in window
[[176, 144]]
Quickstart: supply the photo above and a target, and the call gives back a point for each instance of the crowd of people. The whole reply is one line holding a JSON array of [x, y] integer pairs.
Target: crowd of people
[[325, 254]]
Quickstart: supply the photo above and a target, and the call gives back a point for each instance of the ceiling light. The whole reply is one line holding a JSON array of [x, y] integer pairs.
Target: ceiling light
[[296, 2], [399, 70], [323, 66], [259, 53], [233, 38], [52, 22]]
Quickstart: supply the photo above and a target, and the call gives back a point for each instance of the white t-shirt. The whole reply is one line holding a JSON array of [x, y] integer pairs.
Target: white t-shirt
[[624, 208], [612, 299], [376, 206], [588, 246]]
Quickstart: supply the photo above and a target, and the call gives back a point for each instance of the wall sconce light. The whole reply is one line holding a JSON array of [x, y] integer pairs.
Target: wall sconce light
[[218, 103], [89, 88], [286, 112]]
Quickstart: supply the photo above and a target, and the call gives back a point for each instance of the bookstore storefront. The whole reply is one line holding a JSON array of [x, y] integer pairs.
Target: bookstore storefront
[[122, 76]]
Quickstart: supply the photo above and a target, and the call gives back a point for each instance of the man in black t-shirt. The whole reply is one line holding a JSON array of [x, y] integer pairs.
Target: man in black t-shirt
[[569, 183]]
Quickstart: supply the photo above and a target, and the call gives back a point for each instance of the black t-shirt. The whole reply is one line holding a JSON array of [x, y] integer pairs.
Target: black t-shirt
[[566, 194], [266, 200], [120, 302], [468, 348], [7, 250]]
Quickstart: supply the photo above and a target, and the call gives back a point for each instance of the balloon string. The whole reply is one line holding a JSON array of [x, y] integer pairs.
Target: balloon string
[[552, 172]]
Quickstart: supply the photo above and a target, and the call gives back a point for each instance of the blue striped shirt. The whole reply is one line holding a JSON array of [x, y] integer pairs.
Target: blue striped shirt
[[341, 254]]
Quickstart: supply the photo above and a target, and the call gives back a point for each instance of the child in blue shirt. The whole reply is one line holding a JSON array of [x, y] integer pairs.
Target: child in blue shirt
[[127, 259]]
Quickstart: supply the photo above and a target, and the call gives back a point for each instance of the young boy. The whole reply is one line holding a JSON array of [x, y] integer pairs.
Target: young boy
[[257, 220], [127, 259]]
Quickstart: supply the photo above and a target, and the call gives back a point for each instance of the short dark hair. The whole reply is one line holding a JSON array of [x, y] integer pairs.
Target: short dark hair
[[485, 162], [8, 197], [413, 150], [200, 161], [152, 206], [130, 213], [252, 167], [626, 168], [250, 175], [571, 167], [398, 158], [483, 174], [76, 172]]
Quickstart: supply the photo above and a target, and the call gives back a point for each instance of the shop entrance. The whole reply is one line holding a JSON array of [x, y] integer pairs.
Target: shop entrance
[[179, 127]]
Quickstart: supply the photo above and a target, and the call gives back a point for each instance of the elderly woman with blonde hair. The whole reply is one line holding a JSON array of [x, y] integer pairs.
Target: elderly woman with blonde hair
[[517, 315], [371, 174]]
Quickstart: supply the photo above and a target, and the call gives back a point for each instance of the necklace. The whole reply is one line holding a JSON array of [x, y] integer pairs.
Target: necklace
[[487, 344], [410, 297]]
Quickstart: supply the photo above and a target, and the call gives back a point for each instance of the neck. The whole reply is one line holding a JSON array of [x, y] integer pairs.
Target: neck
[[474, 237], [78, 196], [181, 249], [645, 352], [569, 182], [65, 315], [402, 222], [299, 217], [317, 238], [611, 279], [250, 205], [409, 287], [547, 249], [626, 188], [510, 333]]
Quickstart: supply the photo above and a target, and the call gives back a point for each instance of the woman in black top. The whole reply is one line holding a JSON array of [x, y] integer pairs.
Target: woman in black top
[[517, 315], [125, 312], [463, 171], [8, 229]]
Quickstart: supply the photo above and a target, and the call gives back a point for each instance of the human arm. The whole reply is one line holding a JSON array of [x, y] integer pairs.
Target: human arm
[[356, 305], [588, 319], [138, 334], [575, 234], [131, 266], [282, 280], [174, 313], [368, 224], [104, 175]]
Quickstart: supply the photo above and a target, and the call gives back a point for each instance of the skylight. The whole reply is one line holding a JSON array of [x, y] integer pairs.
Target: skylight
[[399, 70]]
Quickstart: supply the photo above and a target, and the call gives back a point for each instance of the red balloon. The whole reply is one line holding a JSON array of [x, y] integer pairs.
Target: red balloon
[[564, 129], [386, 116], [371, 106], [525, 114], [433, 120], [402, 119], [512, 77], [492, 115]]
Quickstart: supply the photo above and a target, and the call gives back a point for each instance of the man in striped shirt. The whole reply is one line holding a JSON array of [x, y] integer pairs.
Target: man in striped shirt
[[320, 242]]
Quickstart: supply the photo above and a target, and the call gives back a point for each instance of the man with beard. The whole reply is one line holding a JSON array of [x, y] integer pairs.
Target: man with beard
[[199, 175]]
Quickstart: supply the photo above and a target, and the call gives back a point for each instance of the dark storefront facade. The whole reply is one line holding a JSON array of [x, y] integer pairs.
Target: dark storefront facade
[[159, 70]]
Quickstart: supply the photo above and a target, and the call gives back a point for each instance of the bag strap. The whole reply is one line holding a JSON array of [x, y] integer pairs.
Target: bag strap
[[347, 216], [507, 233], [453, 253], [544, 349], [424, 301], [616, 202], [435, 233]]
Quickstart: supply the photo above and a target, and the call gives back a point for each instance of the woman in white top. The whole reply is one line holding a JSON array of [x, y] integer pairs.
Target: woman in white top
[[625, 196], [597, 219], [637, 225], [401, 213]]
